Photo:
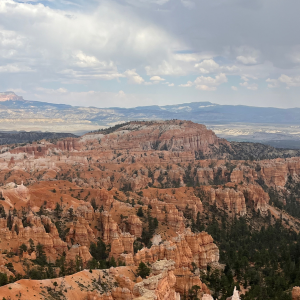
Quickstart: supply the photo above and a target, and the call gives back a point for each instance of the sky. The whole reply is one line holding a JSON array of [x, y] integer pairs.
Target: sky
[[130, 53]]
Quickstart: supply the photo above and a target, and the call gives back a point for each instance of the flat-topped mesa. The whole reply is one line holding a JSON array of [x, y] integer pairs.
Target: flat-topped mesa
[[7, 96], [174, 135], [229, 199]]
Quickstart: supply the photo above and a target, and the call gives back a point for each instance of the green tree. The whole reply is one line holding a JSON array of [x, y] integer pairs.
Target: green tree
[[143, 270], [32, 247], [140, 212], [22, 248], [3, 279], [41, 255], [99, 251], [58, 210]]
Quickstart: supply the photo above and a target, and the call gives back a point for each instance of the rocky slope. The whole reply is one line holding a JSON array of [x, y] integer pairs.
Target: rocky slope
[[136, 211]]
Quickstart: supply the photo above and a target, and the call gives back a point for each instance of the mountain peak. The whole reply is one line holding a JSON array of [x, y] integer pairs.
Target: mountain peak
[[6, 96]]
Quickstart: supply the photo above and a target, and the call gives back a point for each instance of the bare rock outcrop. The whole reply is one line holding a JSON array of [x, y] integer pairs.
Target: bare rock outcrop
[[184, 249], [229, 199], [296, 293], [135, 225], [159, 285]]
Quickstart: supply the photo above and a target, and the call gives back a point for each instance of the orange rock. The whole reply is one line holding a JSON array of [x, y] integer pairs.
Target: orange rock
[[296, 293], [135, 225], [79, 251], [81, 233], [160, 285], [184, 249], [229, 199]]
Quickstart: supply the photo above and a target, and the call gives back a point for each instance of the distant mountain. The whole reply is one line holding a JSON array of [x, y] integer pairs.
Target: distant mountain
[[204, 112], [19, 114]]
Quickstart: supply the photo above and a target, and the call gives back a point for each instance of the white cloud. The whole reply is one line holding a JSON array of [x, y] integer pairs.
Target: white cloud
[[290, 80], [156, 78], [83, 60], [253, 86], [188, 84], [171, 84], [121, 94], [247, 55], [234, 88], [207, 66], [133, 77], [247, 60], [207, 83], [15, 68], [86, 46], [192, 57], [273, 83]]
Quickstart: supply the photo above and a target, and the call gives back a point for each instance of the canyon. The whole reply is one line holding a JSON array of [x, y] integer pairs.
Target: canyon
[[86, 216]]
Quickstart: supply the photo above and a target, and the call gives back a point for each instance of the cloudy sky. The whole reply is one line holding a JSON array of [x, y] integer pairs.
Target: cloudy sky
[[143, 52]]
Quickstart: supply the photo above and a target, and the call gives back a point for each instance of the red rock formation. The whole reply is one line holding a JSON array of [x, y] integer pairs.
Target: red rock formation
[[204, 175], [172, 135], [184, 249], [243, 174], [185, 280], [135, 225], [20, 235], [257, 197], [166, 212], [110, 228], [81, 252], [13, 193], [104, 198], [296, 293], [159, 285], [68, 144], [81, 233], [229, 199]]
